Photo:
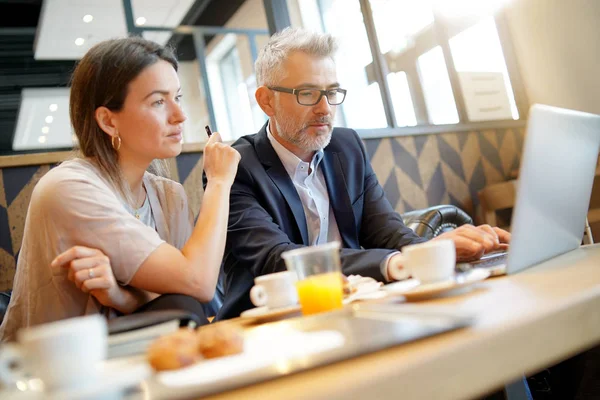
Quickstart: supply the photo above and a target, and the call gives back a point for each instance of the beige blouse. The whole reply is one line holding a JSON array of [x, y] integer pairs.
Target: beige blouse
[[73, 204]]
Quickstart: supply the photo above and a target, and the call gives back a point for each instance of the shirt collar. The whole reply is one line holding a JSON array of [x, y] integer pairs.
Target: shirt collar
[[290, 161]]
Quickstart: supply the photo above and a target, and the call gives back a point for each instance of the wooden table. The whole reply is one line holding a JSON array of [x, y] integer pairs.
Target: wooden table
[[525, 323]]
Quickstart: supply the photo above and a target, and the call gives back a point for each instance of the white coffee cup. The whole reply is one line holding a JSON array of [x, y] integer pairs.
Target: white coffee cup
[[63, 354], [431, 261], [274, 290]]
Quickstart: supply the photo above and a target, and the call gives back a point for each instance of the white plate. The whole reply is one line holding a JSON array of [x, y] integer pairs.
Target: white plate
[[462, 280], [267, 314], [413, 290], [401, 287], [263, 347]]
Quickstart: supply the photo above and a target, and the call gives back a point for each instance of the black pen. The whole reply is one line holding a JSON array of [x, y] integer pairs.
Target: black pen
[[208, 131]]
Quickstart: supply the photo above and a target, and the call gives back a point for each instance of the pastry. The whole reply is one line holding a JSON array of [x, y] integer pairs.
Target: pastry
[[221, 339], [174, 351], [347, 287]]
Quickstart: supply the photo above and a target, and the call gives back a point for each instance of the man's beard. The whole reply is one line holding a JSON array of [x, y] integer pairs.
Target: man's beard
[[294, 132]]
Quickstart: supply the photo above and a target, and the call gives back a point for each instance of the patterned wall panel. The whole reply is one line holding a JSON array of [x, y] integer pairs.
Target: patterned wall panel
[[450, 168], [415, 171]]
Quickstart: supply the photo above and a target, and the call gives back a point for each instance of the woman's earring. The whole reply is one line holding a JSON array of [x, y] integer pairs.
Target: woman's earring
[[118, 145]]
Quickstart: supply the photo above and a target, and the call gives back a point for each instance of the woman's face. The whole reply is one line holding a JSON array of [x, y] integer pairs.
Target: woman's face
[[151, 121]]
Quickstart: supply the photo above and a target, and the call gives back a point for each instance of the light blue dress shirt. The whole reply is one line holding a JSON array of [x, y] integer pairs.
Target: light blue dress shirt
[[310, 184]]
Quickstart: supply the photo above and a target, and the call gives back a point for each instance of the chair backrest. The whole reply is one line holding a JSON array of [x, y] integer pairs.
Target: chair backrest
[[433, 221], [494, 197]]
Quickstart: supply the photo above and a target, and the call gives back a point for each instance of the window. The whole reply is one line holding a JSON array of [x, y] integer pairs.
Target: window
[[363, 107], [403, 105], [399, 21], [417, 63], [232, 84], [436, 87], [481, 68]]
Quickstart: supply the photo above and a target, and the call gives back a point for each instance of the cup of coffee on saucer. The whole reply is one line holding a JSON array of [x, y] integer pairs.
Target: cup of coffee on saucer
[[432, 265], [62, 354], [430, 262], [274, 291], [68, 358]]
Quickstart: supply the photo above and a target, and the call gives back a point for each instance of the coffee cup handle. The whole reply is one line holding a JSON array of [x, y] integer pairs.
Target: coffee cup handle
[[9, 354], [258, 295]]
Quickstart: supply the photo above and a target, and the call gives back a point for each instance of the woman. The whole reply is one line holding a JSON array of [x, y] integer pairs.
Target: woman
[[102, 234]]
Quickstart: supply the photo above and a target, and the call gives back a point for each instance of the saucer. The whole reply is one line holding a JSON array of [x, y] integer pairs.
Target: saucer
[[458, 281], [266, 314], [112, 379], [401, 287]]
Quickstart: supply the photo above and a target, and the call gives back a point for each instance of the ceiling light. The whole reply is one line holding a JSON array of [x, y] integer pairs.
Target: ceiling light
[[140, 21], [88, 18], [53, 107], [79, 41], [45, 130], [49, 119], [42, 139]]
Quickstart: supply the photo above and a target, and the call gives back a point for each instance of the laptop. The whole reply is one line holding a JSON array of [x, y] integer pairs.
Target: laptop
[[553, 190]]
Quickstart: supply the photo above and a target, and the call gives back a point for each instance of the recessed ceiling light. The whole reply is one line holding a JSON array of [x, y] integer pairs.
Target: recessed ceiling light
[[42, 139], [140, 21], [79, 41], [49, 119], [45, 130], [53, 107], [88, 18]]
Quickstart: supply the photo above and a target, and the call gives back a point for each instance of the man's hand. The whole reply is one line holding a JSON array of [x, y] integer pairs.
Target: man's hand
[[473, 242]]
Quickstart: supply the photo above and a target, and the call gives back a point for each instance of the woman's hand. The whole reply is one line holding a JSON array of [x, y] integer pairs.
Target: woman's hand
[[90, 270], [220, 160]]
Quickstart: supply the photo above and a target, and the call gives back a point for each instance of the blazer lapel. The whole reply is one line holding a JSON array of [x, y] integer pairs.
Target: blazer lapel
[[339, 198], [281, 179]]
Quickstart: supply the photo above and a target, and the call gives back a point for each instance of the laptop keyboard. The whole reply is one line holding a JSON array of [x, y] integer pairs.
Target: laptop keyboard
[[495, 262], [491, 260]]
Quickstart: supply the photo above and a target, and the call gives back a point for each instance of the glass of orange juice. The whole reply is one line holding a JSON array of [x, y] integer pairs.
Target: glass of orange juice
[[319, 282]]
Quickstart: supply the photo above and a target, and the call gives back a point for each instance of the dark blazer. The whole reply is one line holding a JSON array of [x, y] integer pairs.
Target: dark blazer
[[266, 216]]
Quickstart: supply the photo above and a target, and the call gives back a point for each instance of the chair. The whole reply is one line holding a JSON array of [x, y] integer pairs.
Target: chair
[[433, 221], [496, 197]]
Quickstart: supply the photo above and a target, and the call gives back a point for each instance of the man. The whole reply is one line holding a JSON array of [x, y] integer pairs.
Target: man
[[300, 182]]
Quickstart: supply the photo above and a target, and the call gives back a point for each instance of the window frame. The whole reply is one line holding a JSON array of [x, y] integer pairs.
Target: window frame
[[437, 34]]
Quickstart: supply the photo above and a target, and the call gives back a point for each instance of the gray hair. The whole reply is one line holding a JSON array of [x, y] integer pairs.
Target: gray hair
[[270, 59]]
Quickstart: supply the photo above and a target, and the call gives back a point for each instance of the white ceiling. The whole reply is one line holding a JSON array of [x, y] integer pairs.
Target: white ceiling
[[61, 23]]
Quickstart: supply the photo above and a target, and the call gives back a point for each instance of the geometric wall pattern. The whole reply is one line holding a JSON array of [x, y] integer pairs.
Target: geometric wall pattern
[[449, 168], [415, 172]]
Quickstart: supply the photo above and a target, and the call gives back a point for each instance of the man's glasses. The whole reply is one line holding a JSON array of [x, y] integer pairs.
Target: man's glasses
[[311, 97]]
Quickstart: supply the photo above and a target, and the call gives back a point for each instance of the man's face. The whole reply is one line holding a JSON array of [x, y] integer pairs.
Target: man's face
[[307, 127]]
